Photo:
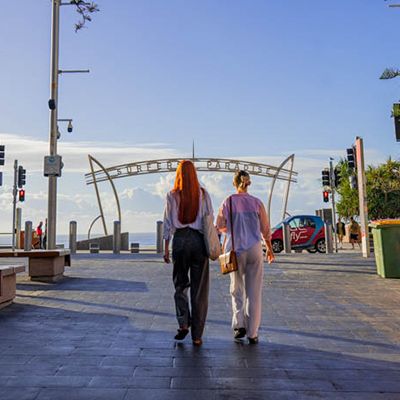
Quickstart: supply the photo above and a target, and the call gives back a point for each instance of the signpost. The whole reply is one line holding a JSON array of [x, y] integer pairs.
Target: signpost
[[362, 197]]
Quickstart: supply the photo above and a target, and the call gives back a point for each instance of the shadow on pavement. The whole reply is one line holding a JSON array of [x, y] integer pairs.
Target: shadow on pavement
[[88, 285]]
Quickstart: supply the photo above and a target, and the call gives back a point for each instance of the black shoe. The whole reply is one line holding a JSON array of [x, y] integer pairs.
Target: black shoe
[[181, 334], [239, 333], [253, 340]]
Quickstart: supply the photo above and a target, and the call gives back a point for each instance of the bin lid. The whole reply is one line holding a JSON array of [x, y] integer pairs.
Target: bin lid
[[380, 223]]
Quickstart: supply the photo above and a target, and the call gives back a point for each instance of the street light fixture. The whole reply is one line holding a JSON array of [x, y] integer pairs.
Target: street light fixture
[[69, 126]]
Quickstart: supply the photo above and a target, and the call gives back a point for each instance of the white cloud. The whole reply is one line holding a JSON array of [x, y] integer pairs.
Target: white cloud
[[30, 152]]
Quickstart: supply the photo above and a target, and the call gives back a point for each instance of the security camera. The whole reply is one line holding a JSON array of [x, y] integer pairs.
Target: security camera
[[52, 104], [69, 127]]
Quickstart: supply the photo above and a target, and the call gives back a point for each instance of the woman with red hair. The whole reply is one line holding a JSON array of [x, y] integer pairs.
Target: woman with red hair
[[185, 205]]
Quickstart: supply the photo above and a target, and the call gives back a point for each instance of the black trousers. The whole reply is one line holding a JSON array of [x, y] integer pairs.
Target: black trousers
[[191, 270]]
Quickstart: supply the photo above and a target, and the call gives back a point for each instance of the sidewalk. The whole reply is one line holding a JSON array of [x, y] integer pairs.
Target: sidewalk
[[330, 331]]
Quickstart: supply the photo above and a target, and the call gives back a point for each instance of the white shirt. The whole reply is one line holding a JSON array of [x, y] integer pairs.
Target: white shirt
[[171, 211]]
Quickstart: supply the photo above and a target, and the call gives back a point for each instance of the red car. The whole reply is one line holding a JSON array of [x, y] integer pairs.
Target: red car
[[307, 232]]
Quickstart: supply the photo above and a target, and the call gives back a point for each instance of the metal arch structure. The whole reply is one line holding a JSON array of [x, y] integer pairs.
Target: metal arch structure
[[291, 173], [202, 164], [93, 172]]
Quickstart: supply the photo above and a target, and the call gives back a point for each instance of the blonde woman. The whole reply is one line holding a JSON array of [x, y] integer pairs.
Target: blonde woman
[[250, 224]]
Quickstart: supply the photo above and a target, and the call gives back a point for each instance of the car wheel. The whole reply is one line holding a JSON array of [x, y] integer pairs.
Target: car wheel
[[312, 250], [320, 246], [277, 246]]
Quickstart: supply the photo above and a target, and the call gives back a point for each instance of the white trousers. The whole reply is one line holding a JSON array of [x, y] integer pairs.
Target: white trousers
[[246, 290]]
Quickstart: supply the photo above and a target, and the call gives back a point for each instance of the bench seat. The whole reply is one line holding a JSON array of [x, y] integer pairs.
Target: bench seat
[[8, 283], [44, 265]]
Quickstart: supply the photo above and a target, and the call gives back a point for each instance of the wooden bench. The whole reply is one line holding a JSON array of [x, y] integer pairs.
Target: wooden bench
[[44, 265], [8, 283]]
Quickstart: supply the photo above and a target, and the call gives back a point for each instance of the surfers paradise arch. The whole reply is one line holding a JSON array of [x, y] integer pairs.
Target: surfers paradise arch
[[283, 172]]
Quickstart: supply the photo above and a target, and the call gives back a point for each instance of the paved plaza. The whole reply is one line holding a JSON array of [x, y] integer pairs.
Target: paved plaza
[[331, 330]]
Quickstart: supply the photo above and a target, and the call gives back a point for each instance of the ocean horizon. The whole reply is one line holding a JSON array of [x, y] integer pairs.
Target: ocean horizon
[[143, 238]]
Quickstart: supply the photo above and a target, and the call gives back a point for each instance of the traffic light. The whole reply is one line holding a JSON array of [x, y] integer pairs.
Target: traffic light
[[351, 157], [21, 176], [21, 195], [396, 117], [325, 195], [2, 154], [325, 177], [337, 177]]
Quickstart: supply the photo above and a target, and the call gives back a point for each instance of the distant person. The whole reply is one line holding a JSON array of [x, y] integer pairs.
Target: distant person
[[45, 235], [39, 233], [183, 222], [250, 223], [341, 232], [354, 230]]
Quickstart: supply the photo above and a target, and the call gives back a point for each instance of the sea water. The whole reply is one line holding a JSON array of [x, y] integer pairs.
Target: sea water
[[143, 238]]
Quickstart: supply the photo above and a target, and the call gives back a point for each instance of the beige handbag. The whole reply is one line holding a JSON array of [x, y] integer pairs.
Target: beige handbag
[[211, 239], [228, 261]]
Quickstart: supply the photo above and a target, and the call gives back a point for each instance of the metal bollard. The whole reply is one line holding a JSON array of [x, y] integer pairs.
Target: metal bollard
[[134, 247], [328, 238], [160, 237], [117, 237], [287, 238], [28, 236], [72, 236], [18, 222]]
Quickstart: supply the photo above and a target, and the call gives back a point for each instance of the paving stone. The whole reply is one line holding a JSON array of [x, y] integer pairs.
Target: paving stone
[[172, 372], [157, 394], [92, 370], [135, 382], [47, 381], [81, 394], [25, 393]]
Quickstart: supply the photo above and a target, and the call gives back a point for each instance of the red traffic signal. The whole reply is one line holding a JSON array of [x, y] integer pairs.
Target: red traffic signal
[[21, 195], [325, 195]]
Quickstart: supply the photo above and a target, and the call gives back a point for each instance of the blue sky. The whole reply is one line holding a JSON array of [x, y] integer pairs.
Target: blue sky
[[244, 79]]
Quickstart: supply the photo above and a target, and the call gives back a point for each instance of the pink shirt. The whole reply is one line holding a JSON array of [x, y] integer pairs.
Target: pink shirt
[[250, 221]]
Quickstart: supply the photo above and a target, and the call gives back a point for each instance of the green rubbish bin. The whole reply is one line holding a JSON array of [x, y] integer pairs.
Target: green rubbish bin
[[386, 234]]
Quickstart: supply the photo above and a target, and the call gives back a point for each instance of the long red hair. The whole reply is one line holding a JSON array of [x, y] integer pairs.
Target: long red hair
[[188, 187]]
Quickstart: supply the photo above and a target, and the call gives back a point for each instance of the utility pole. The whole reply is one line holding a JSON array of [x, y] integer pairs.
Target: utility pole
[[332, 184], [53, 162], [53, 105], [362, 197], [14, 202]]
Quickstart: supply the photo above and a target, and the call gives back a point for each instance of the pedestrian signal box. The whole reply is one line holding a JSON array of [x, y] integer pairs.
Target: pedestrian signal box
[[2, 154], [21, 176], [326, 177], [396, 116], [337, 177], [351, 158]]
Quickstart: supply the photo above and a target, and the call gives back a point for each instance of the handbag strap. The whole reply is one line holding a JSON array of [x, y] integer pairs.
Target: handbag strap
[[203, 207], [231, 219]]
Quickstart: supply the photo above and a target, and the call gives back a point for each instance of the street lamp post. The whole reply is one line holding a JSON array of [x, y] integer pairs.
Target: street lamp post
[[53, 105], [53, 163]]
